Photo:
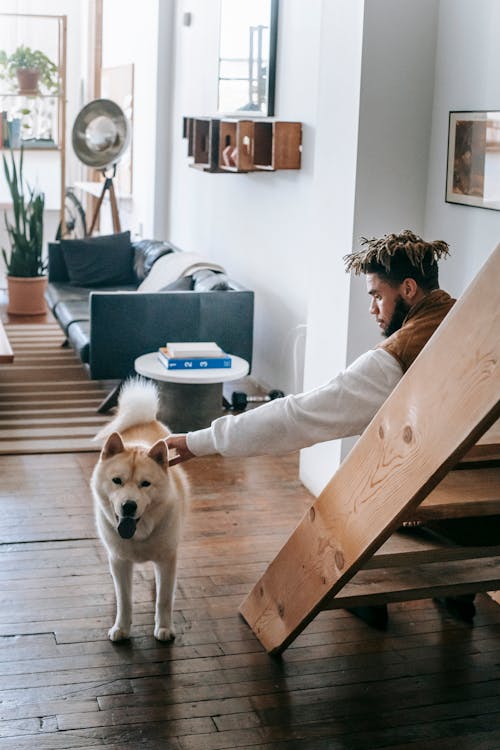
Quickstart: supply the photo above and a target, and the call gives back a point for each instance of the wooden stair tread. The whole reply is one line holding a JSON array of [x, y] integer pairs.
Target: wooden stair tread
[[487, 447], [451, 578], [462, 493], [406, 548]]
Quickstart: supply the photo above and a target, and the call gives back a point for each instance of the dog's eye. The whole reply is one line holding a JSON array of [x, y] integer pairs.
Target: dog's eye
[[145, 483], [116, 480]]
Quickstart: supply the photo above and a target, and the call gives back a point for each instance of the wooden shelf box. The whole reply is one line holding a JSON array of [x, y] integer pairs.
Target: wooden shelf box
[[277, 145], [188, 132], [236, 145], [206, 144], [242, 145]]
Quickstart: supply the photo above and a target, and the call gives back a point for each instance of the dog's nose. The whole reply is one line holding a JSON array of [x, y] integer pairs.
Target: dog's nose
[[129, 508]]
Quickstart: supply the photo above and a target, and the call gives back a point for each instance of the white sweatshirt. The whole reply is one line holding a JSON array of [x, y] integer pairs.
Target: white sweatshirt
[[340, 408]]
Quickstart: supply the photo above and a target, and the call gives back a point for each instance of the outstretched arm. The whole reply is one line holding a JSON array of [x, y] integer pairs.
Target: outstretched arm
[[340, 408]]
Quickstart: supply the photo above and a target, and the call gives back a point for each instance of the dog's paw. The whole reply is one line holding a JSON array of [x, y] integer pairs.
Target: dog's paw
[[116, 633], [164, 634]]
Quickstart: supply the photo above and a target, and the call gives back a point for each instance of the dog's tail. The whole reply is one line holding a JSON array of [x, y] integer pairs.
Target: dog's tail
[[138, 402]]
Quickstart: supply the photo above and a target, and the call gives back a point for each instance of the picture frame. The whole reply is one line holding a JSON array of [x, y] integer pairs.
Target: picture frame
[[473, 166]]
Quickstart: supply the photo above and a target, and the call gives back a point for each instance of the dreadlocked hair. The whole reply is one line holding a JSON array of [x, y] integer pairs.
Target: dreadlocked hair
[[395, 257]]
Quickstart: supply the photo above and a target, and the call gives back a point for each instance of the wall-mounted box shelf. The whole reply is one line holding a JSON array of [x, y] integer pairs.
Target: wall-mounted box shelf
[[203, 142], [242, 145]]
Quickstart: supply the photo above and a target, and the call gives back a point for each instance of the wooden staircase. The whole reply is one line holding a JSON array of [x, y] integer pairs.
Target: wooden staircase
[[430, 453]]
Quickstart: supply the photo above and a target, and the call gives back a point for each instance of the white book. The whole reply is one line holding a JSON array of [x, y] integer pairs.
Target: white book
[[194, 349]]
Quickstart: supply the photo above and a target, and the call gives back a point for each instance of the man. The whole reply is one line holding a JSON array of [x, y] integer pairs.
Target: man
[[402, 280]]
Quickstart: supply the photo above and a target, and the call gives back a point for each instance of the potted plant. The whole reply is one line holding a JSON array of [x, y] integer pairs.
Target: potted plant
[[31, 68], [26, 279]]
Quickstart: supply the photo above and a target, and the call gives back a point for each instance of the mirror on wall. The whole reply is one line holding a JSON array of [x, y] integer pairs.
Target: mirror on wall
[[247, 56]]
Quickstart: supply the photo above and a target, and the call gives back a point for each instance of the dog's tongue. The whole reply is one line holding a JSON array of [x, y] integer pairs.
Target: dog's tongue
[[126, 527]]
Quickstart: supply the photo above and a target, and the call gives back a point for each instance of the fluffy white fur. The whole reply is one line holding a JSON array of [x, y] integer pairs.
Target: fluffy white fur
[[137, 404]]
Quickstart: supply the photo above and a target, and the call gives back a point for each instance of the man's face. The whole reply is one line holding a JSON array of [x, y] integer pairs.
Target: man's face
[[387, 304]]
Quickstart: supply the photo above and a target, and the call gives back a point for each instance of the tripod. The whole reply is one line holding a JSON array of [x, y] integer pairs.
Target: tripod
[[107, 185]]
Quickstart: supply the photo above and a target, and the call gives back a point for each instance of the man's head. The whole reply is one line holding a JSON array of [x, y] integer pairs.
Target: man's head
[[400, 270]]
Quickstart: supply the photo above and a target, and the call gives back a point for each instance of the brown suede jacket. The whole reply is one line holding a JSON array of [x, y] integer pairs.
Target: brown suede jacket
[[418, 326]]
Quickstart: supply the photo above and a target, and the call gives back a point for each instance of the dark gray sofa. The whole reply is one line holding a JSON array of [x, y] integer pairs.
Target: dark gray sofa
[[110, 325]]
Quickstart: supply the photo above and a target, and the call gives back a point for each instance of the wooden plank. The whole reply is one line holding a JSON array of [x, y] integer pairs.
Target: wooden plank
[[462, 493], [450, 578], [48, 444], [6, 353], [406, 548], [425, 426], [487, 447]]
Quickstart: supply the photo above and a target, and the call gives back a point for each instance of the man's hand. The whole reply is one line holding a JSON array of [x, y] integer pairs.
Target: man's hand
[[178, 444]]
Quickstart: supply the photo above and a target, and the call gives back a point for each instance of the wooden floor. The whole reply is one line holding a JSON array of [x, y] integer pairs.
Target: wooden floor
[[429, 681]]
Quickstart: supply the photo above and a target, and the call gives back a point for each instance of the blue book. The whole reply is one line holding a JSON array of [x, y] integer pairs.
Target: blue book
[[194, 363]]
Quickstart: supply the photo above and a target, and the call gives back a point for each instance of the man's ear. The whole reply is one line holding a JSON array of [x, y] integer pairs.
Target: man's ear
[[159, 453], [112, 446], [409, 289]]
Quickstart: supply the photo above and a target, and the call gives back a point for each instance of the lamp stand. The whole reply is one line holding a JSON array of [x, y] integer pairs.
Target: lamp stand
[[107, 186]]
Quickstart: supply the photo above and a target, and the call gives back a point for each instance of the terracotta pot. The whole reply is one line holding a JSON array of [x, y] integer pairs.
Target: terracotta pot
[[27, 79], [26, 295]]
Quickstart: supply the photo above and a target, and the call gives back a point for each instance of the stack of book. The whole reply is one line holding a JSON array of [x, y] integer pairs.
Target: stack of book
[[193, 355]]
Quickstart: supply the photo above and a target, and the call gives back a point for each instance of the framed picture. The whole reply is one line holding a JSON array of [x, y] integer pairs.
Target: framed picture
[[473, 172]]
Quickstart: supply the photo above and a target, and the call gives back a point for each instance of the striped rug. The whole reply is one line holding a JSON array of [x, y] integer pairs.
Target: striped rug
[[47, 402]]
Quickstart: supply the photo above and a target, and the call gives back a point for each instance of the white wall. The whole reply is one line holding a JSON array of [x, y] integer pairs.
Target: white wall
[[466, 78], [397, 86], [334, 184], [138, 42], [259, 226]]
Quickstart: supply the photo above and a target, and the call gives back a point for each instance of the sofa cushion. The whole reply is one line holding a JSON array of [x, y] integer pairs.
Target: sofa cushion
[[99, 261], [63, 292], [211, 281], [147, 252]]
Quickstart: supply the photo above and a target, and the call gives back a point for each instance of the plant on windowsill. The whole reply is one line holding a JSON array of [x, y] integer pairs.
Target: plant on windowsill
[[34, 71], [26, 279]]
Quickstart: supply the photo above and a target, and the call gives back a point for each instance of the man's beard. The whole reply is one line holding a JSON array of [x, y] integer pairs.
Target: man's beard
[[397, 318]]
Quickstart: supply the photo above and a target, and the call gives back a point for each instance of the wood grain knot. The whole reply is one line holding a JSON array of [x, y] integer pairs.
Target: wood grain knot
[[339, 560], [381, 432], [261, 590], [312, 514], [281, 610], [407, 434]]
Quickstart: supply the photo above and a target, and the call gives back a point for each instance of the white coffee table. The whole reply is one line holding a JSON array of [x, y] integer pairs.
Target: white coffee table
[[189, 399]]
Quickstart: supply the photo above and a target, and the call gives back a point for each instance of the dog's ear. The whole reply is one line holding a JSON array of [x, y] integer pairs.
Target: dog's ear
[[112, 446], [159, 453]]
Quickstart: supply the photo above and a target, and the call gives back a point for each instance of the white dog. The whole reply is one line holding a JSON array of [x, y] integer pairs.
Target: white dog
[[140, 503]]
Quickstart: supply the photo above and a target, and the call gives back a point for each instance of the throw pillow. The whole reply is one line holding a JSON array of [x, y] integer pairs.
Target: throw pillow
[[100, 261]]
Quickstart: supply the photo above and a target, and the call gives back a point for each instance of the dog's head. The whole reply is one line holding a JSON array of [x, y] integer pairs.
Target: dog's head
[[134, 481]]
